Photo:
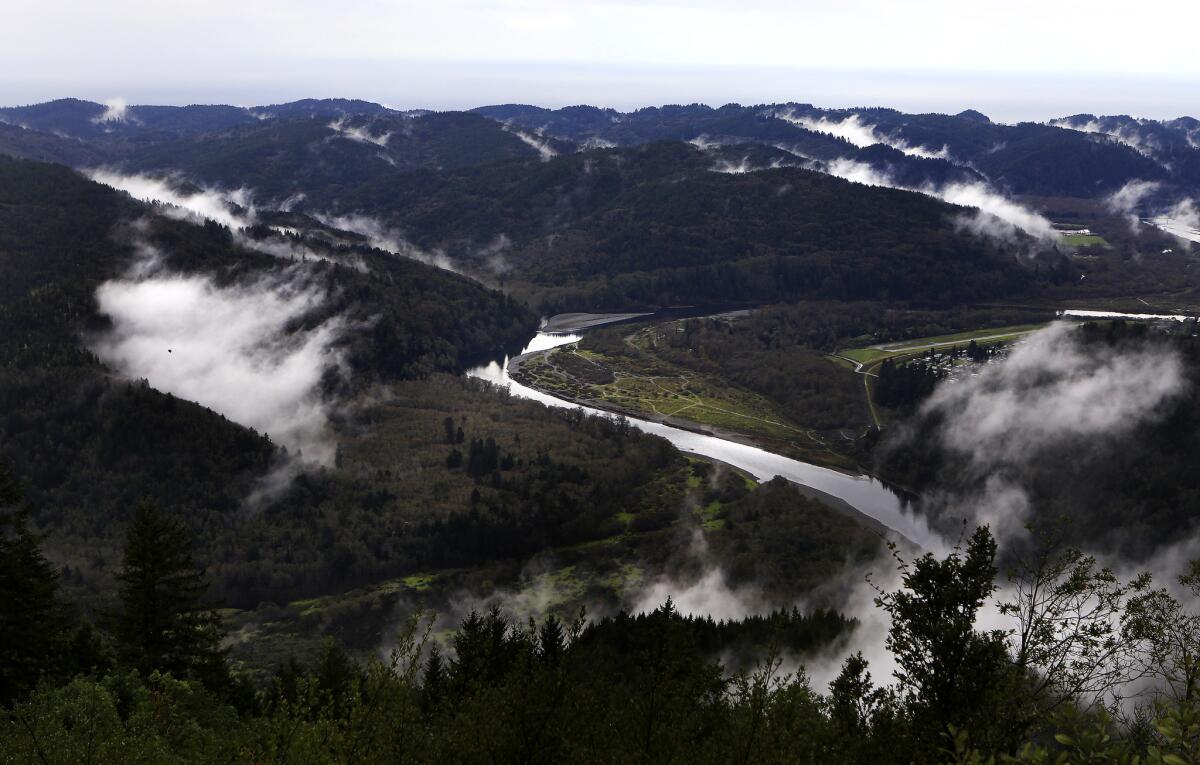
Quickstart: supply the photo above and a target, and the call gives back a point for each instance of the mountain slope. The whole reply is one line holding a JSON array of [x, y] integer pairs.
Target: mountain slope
[[68, 418], [320, 158], [655, 225]]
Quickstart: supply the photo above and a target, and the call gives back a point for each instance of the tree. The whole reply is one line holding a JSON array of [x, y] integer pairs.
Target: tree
[[948, 670], [32, 617], [1167, 638], [163, 624], [1068, 639]]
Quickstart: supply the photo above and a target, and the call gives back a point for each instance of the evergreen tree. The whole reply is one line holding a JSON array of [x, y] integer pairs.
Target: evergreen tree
[[32, 618], [163, 624]]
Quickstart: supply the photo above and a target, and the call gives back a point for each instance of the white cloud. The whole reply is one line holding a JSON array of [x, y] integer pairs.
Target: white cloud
[[115, 110], [857, 172], [361, 134], [1182, 220], [744, 165], [860, 133], [1050, 394], [230, 348], [1146, 145], [233, 209], [999, 217], [544, 149], [203, 204], [995, 207], [1125, 200], [597, 143], [386, 238], [708, 595]]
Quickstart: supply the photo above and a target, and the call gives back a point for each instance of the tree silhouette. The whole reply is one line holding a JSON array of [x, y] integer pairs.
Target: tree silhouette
[[163, 624]]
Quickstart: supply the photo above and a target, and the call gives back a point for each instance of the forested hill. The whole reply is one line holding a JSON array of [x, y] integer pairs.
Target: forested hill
[[654, 225], [1078, 156], [79, 435], [321, 158], [62, 233]]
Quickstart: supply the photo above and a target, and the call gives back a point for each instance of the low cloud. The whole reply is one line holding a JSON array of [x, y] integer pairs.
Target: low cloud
[[1147, 145], [115, 110], [861, 134], [234, 209], [858, 172], [708, 595], [1186, 212], [998, 218], [744, 165], [1126, 200], [386, 238], [1049, 395], [361, 134], [597, 143], [197, 206], [536, 140], [231, 348]]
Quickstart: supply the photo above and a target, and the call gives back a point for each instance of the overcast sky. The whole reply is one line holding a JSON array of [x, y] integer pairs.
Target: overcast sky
[[1014, 60]]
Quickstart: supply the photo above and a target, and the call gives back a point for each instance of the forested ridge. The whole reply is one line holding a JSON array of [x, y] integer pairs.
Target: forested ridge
[[655, 226], [152, 685]]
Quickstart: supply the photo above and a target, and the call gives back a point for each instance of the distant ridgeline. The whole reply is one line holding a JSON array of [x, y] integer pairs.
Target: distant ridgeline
[[586, 208]]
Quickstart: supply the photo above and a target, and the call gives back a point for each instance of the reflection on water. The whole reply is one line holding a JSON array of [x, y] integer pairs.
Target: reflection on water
[[1184, 228], [868, 496], [1079, 313]]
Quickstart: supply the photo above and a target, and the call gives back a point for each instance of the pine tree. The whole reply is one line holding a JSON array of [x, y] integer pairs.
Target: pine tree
[[163, 624], [32, 617]]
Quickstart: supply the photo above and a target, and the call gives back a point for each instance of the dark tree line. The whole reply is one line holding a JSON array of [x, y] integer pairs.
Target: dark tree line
[[647, 688]]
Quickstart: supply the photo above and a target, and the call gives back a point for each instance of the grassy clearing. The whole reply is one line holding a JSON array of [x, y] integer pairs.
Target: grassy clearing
[[870, 355], [996, 334], [646, 385], [1084, 240], [419, 581]]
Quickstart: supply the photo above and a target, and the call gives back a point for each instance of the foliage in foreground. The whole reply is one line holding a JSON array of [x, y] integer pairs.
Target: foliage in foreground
[[643, 689]]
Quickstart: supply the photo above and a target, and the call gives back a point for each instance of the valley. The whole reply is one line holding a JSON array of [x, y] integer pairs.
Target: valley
[[557, 404]]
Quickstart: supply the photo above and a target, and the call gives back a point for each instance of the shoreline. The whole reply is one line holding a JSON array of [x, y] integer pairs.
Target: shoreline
[[715, 431]]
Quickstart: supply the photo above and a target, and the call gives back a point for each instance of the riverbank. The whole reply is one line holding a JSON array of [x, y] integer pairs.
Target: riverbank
[[516, 370]]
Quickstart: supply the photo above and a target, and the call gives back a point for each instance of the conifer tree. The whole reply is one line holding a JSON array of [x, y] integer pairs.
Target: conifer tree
[[32, 618], [163, 624]]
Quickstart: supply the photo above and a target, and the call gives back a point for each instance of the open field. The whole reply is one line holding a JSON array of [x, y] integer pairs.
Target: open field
[[866, 360], [654, 388], [877, 353], [1084, 240]]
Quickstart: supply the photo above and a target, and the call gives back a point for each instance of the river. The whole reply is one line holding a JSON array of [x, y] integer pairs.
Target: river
[[863, 493]]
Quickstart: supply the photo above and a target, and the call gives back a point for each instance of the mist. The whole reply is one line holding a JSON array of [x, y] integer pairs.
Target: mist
[[115, 110], [1147, 146], [386, 238], [1048, 396], [196, 206], [545, 151], [997, 216], [232, 348], [1126, 200], [861, 134], [235, 209], [361, 134], [707, 595]]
